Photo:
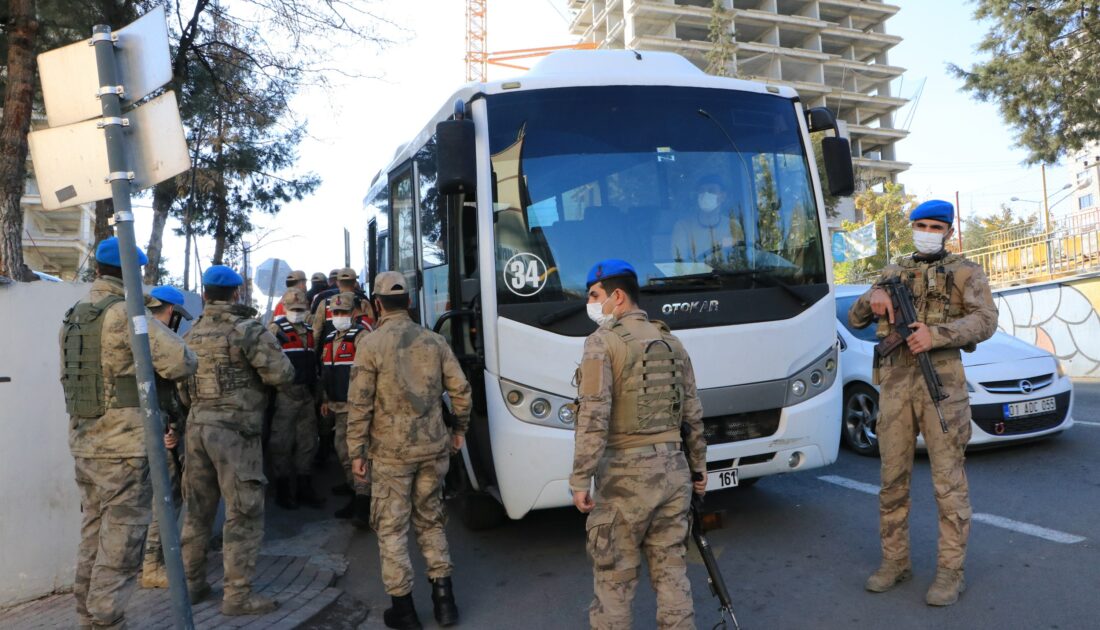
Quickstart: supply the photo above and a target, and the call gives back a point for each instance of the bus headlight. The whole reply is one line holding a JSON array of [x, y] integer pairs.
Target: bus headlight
[[545, 408], [813, 379], [798, 387], [540, 408]]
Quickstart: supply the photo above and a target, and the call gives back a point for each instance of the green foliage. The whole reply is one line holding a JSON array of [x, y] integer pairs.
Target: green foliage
[[720, 55], [1001, 227], [890, 207], [1042, 68]]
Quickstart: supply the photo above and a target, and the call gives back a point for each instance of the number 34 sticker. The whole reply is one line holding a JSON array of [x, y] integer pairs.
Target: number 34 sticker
[[525, 274]]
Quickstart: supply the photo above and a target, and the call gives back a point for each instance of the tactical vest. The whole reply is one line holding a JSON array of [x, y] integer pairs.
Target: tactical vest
[[82, 373], [223, 366], [336, 362], [299, 351], [648, 396], [933, 285]]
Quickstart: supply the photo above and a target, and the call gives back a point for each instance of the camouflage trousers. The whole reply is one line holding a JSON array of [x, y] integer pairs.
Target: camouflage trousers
[[293, 441], [906, 410], [115, 496], [341, 428], [223, 463], [401, 491], [642, 502], [153, 552]]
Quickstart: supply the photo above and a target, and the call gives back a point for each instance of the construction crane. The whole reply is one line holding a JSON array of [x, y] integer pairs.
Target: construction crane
[[478, 56]]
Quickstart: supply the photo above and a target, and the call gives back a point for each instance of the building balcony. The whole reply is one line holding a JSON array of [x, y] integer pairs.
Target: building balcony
[[892, 167]]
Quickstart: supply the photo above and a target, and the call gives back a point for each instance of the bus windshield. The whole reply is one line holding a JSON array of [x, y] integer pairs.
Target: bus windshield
[[697, 188]]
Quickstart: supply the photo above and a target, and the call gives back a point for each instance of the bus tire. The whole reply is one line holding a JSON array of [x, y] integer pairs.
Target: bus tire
[[480, 511]]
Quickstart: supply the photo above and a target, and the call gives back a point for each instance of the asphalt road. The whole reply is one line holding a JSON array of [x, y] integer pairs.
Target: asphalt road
[[796, 549]]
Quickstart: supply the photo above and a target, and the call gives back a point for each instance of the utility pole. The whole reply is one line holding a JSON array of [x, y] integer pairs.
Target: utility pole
[[1046, 202], [959, 219], [119, 175]]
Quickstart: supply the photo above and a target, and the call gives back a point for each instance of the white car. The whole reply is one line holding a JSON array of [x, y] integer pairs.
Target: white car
[[1017, 391]]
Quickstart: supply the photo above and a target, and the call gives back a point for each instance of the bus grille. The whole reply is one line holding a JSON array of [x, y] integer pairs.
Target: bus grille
[[738, 427]]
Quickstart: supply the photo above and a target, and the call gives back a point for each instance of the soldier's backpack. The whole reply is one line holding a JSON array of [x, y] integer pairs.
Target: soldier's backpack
[[82, 365]]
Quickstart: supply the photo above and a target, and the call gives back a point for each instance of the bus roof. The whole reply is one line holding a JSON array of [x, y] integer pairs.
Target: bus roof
[[586, 68]]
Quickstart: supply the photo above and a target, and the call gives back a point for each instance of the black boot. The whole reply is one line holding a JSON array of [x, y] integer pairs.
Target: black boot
[[443, 599], [401, 615], [284, 498], [306, 494], [360, 516], [342, 490], [347, 511]]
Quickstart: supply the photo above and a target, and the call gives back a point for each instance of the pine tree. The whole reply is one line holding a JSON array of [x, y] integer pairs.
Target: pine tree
[[1043, 70]]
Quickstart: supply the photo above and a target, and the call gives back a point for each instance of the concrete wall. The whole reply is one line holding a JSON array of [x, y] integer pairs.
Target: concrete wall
[[1060, 317], [39, 502]]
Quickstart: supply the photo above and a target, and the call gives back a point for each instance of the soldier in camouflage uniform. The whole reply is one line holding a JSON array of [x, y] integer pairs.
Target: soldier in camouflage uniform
[[956, 312], [170, 311], [106, 437], [638, 414], [395, 420], [293, 441], [238, 359]]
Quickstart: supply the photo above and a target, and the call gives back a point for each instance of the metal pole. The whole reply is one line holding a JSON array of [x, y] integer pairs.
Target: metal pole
[[886, 234], [139, 327], [1046, 214], [347, 248], [959, 218]]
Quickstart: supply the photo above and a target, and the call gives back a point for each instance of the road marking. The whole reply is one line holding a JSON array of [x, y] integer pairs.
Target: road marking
[[1037, 531], [1091, 424]]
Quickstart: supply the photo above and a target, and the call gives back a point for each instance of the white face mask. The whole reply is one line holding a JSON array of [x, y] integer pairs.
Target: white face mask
[[928, 242], [295, 317], [596, 314], [708, 201], [341, 323]]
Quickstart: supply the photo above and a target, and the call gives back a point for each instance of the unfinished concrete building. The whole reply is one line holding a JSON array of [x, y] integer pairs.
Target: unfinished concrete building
[[834, 52]]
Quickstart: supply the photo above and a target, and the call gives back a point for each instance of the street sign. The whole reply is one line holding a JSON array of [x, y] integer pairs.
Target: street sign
[[271, 277], [70, 81], [70, 162]]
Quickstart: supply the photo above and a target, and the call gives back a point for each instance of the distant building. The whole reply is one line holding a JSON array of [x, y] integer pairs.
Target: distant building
[[57, 242], [1085, 166], [833, 52]]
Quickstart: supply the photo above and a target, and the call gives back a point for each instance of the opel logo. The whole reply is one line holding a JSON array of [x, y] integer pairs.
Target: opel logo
[[1025, 386]]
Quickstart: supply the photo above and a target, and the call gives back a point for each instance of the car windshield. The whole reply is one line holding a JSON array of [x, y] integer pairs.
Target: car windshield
[[843, 304], [697, 188]]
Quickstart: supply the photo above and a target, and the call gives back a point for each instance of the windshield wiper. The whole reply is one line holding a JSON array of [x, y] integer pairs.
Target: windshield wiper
[[676, 283], [565, 312]]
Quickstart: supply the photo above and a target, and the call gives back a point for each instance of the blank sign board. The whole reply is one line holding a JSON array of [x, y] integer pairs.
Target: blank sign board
[[70, 83], [70, 162]]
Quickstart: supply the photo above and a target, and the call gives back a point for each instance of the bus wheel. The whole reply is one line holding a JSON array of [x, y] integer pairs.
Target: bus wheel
[[480, 511]]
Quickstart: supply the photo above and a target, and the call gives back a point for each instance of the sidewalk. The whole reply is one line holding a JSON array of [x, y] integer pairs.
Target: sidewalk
[[304, 554]]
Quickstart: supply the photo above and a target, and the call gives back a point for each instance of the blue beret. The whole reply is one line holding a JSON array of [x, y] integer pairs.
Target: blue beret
[[934, 209], [610, 268], [221, 276], [168, 295], [107, 253]]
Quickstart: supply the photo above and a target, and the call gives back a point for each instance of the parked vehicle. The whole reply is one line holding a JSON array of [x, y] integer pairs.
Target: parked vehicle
[[1017, 391]]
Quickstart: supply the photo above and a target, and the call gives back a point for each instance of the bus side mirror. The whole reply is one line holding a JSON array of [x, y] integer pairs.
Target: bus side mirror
[[456, 157], [837, 154]]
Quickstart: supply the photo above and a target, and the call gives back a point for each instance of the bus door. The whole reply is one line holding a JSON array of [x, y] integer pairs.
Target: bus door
[[403, 231], [433, 248]]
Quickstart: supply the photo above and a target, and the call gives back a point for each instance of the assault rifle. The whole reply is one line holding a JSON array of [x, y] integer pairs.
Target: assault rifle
[[714, 574], [905, 314]]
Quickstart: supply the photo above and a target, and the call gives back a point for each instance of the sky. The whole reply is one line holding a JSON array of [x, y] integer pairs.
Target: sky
[[955, 142]]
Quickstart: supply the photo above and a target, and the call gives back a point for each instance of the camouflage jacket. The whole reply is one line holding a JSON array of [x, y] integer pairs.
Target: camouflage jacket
[[395, 399], [950, 294], [238, 360], [603, 360], [119, 433]]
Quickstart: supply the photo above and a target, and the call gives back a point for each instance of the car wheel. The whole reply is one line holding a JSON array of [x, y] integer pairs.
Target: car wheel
[[859, 419]]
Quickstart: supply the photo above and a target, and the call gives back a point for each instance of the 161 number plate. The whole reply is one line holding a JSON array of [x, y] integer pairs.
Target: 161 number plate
[[718, 479]]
